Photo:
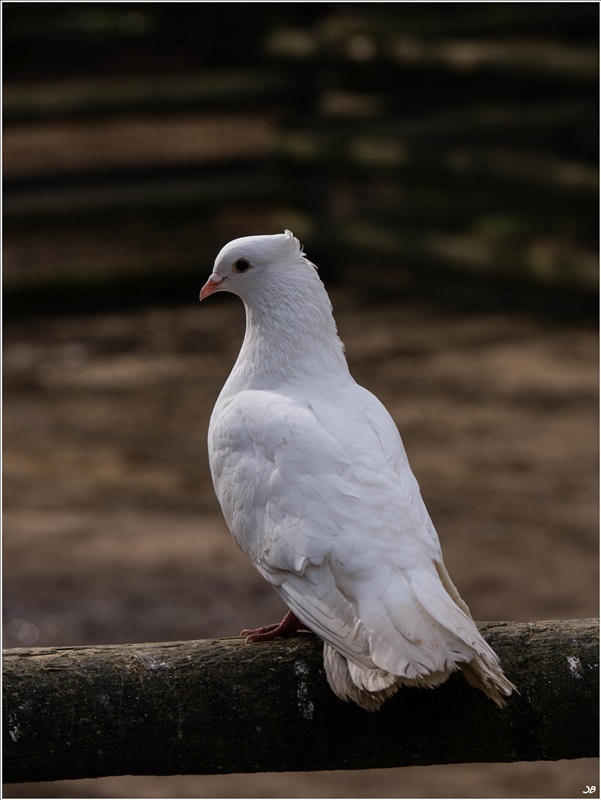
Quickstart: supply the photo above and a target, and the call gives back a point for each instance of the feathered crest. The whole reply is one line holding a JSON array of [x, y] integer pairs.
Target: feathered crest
[[296, 247]]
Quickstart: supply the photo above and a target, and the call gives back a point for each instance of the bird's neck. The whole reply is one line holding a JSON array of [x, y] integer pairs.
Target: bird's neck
[[289, 338]]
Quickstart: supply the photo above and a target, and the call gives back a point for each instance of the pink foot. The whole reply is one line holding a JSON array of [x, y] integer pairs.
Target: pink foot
[[290, 624]]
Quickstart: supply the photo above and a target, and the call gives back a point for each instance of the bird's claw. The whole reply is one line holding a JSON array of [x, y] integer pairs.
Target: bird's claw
[[257, 634], [290, 624]]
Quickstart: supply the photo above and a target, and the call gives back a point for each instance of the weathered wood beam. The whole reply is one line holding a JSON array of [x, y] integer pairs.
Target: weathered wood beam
[[218, 706]]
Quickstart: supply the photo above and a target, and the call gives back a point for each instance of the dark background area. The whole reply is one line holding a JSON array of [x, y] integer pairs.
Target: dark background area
[[455, 144], [440, 164]]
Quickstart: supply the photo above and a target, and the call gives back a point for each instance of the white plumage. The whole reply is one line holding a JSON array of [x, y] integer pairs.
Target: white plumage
[[315, 486]]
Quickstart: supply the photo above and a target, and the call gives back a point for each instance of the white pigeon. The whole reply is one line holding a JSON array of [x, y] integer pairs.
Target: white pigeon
[[315, 486]]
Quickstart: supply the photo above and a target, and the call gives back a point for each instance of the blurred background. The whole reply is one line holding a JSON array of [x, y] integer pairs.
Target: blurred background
[[440, 164]]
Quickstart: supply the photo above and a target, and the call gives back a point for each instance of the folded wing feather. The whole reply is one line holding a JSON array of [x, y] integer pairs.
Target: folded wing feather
[[339, 528]]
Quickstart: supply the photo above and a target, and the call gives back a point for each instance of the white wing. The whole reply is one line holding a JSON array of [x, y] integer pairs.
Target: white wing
[[322, 499]]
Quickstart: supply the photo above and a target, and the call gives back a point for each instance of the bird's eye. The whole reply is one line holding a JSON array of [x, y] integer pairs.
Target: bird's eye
[[241, 265]]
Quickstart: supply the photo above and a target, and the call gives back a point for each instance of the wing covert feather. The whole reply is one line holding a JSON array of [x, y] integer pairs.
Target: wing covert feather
[[338, 527], [290, 490]]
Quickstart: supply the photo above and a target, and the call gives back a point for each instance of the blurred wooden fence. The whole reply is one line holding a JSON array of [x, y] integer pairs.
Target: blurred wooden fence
[[430, 144]]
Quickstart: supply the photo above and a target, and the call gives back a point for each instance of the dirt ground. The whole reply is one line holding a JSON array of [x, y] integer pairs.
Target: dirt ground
[[112, 532]]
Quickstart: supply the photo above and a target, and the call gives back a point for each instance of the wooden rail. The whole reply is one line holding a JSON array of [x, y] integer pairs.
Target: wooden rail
[[218, 706]]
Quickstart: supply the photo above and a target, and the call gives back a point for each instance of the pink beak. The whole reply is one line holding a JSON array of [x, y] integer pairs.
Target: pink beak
[[211, 286]]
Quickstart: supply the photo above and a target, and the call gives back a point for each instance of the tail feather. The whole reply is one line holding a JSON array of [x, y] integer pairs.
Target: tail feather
[[438, 637], [339, 677], [489, 678], [484, 670]]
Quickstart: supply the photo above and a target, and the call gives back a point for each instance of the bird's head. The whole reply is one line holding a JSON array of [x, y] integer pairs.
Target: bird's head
[[246, 266]]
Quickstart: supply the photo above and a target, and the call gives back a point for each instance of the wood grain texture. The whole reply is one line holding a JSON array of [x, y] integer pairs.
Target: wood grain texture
[[218, 706]]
